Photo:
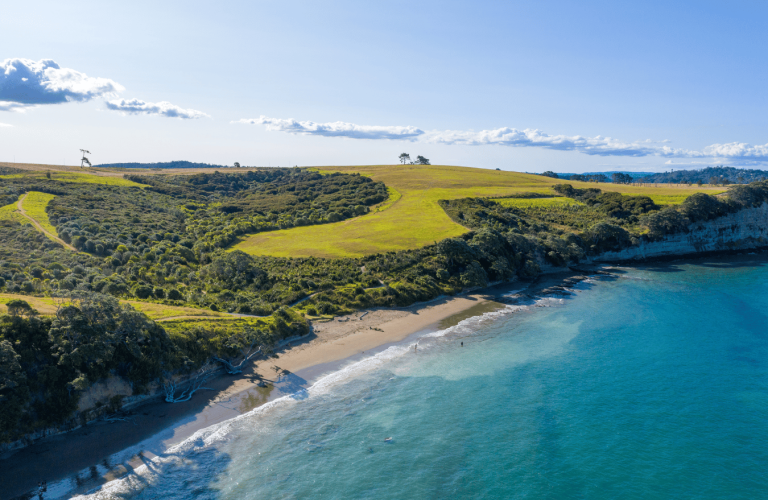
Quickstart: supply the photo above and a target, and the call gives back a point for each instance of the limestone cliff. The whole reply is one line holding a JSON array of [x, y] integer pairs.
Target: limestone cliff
[[743, 230]]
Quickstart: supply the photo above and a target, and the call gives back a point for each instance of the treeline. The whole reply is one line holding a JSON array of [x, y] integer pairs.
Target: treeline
[[710, 175], [167, 164], [47, 363]]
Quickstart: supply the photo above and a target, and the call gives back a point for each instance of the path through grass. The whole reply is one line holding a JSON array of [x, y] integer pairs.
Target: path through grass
[[34, 204]]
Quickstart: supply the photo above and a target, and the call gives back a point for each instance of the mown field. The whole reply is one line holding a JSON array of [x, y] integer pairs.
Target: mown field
[[416, 219]]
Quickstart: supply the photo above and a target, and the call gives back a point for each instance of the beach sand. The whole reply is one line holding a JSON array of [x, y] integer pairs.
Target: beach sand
[[102, 451], [99, 452]]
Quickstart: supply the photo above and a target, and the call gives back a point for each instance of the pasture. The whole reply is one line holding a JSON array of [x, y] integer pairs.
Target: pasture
[[10, 212], [47, 306], [34, 205], [75, 177], [416, 219], [535, 202]]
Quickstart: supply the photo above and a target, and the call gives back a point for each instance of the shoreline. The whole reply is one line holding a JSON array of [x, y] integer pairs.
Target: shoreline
[[103, 451]]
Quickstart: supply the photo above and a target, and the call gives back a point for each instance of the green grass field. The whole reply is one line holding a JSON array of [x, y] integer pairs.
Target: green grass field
[[34, 204], [163, 311], [47, 306], [10, 212], [416, 219], [76, 177], [536, 202]]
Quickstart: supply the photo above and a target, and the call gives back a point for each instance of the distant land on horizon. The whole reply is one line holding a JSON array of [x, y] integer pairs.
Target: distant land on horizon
[[733, 175], [634, 175]]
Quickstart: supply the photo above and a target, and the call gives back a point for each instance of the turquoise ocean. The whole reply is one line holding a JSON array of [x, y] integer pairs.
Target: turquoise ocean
[[650, 384]]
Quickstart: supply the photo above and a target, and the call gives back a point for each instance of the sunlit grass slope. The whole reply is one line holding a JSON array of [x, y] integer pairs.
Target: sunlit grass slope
[[10, 212], [34, 204], [536, 202], [415, 219], [75, 177], [47, 306]]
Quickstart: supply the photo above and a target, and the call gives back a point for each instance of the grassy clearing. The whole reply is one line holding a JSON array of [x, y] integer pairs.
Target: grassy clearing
[[416, 219], [44, 305], [217, 326], [76, 177], [34, 204], [536, 202], [10, 212], [669, 199], [47, 306], [163, 311]]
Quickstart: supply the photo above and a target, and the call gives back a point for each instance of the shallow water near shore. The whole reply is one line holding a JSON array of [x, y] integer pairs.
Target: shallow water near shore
[[653, 384]]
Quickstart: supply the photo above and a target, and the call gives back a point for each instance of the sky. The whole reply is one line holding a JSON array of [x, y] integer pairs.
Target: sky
[[523, 86]]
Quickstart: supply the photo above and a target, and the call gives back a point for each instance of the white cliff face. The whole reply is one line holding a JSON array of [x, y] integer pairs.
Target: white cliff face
[[743, 230]]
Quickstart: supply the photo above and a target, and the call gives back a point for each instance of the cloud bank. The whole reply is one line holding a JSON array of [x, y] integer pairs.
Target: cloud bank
[[599, 146], [25, 83], [511, 137], [336, 129], [164, 108]]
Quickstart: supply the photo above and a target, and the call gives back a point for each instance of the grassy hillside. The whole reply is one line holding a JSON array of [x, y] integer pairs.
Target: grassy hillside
[[416, 219], [47, 306], [74, 177], [34, 204]]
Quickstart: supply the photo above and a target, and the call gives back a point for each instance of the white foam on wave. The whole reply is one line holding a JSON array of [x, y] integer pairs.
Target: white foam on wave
[[144, 475]]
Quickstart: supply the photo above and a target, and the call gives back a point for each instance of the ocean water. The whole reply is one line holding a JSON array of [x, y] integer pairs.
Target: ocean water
[[653, 384]]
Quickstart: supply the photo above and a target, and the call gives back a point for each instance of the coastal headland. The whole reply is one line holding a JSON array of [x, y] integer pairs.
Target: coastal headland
[[324, 265]]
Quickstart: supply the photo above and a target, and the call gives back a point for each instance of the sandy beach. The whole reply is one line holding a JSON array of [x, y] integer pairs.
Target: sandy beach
[[101, 451], [88, 455]]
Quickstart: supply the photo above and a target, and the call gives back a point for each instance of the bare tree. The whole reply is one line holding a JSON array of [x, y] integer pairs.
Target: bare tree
[[171, 384], [84, 160], [248, 352]]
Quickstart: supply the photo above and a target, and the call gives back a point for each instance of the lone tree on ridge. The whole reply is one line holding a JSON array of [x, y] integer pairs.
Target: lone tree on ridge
[[404, 157], [84, 160]]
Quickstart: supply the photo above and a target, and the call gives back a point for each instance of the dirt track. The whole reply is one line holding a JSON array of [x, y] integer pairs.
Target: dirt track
[[55, 238]]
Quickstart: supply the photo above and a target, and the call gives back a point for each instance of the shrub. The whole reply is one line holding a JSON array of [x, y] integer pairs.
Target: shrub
[[142, 291]]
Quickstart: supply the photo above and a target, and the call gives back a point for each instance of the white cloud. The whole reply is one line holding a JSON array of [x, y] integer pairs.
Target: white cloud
[[531, 138], [5, 125], [336, 129], [601, 146], [25, 83], [164, 108]]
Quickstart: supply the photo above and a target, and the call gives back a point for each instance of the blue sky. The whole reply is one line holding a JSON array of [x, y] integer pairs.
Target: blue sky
[[528, 86]]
